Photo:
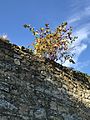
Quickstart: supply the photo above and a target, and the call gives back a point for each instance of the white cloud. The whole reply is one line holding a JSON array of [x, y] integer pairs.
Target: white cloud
[[80, 45], [79, 19], [74, 19], [79, 15], [77, 51], [4, 36], [82, 34]]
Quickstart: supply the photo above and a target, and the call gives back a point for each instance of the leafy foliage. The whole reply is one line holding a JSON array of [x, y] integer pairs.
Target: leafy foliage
[[53, 45]]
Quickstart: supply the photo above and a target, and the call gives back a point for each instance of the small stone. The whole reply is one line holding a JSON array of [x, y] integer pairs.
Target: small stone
[[62, 109], [41, 72], [17, 56], [16, 61], [56, 118], [40, 113], [53, 105], [32, 76]]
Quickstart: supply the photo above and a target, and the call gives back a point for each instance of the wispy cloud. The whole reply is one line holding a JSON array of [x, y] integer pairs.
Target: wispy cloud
[[78, 50], [73, 19], [82, 33], [79, 15], [83, 36], [80, 45]]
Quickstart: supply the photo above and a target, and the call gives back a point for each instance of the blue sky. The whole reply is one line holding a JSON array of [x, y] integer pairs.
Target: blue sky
[[15, 13]]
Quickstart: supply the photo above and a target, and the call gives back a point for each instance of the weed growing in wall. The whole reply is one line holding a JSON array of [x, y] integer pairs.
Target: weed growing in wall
[[53, 45]]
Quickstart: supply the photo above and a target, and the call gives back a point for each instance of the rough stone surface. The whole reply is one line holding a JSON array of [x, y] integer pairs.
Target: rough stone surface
[[32, 88]]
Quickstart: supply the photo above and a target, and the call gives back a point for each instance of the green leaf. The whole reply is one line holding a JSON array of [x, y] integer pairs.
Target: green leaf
[[72, 61]]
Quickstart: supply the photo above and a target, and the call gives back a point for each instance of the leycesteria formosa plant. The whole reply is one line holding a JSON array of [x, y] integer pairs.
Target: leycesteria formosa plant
[[53, 45]]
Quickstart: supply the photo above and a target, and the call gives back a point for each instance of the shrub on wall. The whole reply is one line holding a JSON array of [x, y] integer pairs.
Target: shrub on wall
[[53, 45]]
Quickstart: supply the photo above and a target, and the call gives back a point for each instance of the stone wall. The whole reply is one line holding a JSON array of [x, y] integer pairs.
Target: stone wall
[[39, 89]]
